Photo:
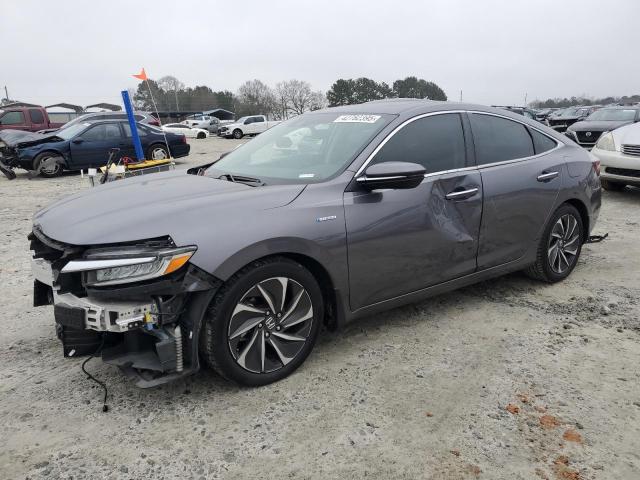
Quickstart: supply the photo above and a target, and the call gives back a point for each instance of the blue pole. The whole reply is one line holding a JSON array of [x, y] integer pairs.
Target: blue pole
[[132, 124]]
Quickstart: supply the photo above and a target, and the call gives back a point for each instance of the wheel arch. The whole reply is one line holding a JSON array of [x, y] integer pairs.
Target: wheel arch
[[584, 214], [334, 306], [53, 151]]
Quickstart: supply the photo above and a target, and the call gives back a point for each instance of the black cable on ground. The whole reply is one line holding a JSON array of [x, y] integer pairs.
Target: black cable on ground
[[105, 407], [596, 238]]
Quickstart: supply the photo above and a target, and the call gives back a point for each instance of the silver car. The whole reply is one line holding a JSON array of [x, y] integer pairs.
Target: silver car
[[328, 217]]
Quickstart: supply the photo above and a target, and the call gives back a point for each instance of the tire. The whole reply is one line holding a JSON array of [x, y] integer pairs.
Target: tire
[[254, 351], [560, 246], [48, 165], [237, 134], [201, 135], [612, 186], [157, 152]]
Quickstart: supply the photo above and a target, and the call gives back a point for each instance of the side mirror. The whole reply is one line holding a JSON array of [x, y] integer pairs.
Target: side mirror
[[392, 175]]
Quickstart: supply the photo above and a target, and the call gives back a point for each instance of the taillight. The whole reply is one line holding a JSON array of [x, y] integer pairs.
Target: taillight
[[596, 166], [183, 139]]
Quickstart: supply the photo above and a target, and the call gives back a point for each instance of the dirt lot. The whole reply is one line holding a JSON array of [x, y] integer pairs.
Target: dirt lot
[[508, 379]]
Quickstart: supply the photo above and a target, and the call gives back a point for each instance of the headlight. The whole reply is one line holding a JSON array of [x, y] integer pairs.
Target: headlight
[[606, 142], [112, 267]]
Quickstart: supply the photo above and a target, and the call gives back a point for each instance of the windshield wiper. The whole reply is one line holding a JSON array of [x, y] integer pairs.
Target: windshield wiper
[[252, 182]]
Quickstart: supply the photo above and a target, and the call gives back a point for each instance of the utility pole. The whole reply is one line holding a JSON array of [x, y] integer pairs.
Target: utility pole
[[460, 95], [175, 91], [6, 93], [525, 100]]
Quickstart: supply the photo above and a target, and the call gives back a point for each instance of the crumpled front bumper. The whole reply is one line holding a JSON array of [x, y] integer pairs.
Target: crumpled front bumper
[[150, 330]]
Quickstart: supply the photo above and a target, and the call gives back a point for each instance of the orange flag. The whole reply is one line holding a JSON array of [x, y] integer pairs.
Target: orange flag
[[142, 75]]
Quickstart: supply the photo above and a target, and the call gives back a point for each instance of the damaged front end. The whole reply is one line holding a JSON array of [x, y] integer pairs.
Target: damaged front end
[[11, 141], [139, 305]]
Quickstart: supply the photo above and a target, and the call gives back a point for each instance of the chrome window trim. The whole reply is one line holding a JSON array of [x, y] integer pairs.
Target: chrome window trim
[[473, 167]]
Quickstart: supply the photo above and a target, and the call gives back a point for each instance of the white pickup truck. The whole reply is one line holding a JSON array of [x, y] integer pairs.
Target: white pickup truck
[[251, 125]]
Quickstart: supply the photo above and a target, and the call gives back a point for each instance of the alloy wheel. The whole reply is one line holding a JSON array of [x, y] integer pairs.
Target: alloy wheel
[[270, 325], [49, 166], [564, 243]]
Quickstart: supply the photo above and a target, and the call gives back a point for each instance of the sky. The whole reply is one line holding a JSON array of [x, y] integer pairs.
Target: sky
[[495, 52]]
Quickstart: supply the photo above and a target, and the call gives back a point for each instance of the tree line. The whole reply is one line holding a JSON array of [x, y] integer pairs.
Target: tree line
[[288, 98], [583, 100]]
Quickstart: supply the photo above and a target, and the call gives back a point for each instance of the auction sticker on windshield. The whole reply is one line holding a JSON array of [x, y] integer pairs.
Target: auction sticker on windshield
[[357, 119]]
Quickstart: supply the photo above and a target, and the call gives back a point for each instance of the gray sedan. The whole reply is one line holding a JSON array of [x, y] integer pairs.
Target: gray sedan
[[328, 217]]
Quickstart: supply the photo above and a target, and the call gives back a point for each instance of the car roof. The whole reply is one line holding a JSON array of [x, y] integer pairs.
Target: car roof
[[413, 106]]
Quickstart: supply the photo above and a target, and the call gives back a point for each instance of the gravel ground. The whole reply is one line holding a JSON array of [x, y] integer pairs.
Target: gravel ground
[[507, 379]]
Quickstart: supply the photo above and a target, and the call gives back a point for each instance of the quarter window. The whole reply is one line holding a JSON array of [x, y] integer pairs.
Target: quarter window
[[436, 142], [541, 142], [12, 118], [497, 139]]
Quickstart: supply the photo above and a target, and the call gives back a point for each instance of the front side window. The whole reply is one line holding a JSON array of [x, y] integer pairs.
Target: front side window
[[435, 142], [12, 118], [306, 149], [497, 139]]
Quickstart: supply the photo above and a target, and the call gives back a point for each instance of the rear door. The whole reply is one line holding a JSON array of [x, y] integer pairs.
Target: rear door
[[400, 241], [91, 148], [521, 172]]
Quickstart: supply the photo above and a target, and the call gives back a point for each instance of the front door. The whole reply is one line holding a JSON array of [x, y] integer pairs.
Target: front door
[[400, 241], [521, 176]]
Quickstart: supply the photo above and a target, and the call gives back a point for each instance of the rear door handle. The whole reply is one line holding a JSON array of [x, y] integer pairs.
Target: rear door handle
[[461, 194], [546, 176]]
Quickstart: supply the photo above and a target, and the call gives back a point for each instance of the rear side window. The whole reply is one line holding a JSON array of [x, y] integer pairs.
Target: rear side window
[[36, 116], [497, 139], [127, 130], [258, 119], [436, 142], [12, 118], [541, 142]]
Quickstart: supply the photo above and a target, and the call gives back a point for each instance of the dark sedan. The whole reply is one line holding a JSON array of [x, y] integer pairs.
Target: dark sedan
[[587, 132], [83, 145], [569, 116]]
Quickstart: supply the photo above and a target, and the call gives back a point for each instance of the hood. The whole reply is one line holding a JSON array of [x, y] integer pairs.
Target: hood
[[157, 205], [597, 125], [13, 138], [627, 135]]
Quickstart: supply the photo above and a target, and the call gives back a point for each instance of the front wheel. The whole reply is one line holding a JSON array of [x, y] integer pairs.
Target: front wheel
[[237, 134], [560, 246], [201, 135], [48, 165], [263, 322]]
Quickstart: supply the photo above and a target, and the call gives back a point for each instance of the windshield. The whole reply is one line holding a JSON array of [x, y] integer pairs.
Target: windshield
[[569, 112], [613, 114], [240, 120], [306, 149], [67, 133]]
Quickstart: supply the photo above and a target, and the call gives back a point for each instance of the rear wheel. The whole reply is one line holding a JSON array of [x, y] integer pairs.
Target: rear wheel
[[559, 247], [263, 323], [48, 165], [237, 134], [158, 152], [201, 135], [612, 186]]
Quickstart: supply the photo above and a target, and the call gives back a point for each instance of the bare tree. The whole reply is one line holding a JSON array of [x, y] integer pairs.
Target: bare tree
[[171, 86], [255, 97], [296, 97]]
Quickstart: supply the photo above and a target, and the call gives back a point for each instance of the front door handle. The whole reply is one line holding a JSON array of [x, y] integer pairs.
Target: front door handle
[[546, 176], [461, 194]]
